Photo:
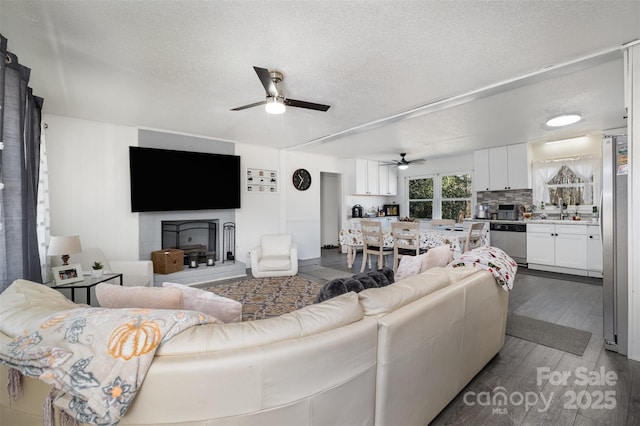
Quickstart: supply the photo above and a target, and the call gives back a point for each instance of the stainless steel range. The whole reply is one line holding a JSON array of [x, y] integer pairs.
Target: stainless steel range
[[511, 238]]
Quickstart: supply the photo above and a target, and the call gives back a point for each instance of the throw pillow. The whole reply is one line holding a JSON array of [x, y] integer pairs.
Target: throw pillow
[[225, 309], [355, 283], [116, 296], [409, 266], [437, 256]]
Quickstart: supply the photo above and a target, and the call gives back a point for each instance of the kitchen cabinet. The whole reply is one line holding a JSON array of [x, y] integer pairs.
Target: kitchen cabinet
[[388, 179], [557, 247], [481, 170], [594, 251], [505, 167], [362, 176]]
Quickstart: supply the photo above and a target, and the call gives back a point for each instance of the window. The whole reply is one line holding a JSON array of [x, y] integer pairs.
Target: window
[[440, 196], [576, 180], [421, 197], [570, 187]]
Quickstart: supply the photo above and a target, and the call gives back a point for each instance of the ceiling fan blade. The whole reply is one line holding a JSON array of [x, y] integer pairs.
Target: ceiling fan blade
[[267, 82], [308, 105], [249, 106], [416, 161]]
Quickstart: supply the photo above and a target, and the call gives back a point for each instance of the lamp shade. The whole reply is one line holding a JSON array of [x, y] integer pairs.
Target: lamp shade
[[64, 246]]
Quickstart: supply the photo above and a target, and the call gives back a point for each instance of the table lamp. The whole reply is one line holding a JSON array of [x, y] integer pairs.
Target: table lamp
[[64, 246]]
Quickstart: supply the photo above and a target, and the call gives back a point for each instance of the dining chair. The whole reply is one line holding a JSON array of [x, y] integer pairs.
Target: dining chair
[[373, 243], [443, 224], [406, 241], [354, 223], [474, 235]]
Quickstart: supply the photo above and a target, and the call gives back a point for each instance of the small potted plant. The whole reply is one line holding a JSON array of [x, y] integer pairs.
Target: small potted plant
[[96, 269]]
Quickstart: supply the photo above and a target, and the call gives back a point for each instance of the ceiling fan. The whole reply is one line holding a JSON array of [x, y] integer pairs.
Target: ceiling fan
[[404, 163], [275, 101]]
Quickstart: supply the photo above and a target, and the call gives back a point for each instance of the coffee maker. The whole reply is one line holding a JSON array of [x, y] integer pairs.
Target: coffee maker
[[357, 211], [483, 211]]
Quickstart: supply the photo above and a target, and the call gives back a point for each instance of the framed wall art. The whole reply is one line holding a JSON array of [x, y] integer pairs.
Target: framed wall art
[[67, 274], [262, 180]]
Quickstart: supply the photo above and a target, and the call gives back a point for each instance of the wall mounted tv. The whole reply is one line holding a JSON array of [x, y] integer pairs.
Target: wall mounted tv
[[168, 180]]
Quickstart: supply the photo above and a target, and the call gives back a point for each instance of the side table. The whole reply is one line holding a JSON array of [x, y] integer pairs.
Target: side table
[[87, 283]]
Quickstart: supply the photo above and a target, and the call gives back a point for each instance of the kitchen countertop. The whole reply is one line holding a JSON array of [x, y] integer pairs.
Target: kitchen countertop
[[564, 222], [540, 221]]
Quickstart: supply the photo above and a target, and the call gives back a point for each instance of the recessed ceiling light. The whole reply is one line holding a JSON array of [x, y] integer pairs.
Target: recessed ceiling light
[[563, 120]]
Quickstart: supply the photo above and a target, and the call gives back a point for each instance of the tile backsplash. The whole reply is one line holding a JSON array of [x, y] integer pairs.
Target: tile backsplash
[[514, 196]]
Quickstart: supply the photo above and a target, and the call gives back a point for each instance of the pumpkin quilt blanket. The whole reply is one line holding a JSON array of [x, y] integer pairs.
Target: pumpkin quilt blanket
[[96, 358]]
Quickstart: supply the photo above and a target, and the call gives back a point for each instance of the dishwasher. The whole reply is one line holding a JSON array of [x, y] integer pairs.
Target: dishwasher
[[511, 238]]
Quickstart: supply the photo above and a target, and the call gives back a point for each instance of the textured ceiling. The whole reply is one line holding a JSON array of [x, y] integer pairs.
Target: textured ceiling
[[182, 65]]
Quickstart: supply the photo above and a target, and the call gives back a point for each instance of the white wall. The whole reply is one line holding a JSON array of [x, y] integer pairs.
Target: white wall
[[89, 184], [302, 208], [591, 145], [260, 212], [89, 187]]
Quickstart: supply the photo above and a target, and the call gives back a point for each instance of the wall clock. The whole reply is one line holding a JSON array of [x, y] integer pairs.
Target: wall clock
[[301, 179]]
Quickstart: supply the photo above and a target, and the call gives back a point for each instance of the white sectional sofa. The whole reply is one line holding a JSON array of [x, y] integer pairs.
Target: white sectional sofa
[[395, 355]]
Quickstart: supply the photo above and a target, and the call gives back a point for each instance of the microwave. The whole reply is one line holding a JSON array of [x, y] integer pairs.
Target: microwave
[[391, 210]]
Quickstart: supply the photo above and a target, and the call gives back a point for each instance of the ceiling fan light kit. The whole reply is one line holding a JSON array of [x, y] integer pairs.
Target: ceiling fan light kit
[[403, 164], [275, 102], [274, 105]]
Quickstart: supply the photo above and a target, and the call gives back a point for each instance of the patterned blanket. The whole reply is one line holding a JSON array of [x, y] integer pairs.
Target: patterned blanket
[[96, 357], [491, 259]]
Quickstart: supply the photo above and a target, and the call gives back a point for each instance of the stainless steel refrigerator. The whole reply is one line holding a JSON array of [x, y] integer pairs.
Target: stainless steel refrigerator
[[614, 233]]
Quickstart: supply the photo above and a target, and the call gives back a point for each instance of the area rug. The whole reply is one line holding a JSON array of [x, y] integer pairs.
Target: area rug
[[544, 333], [323, 272], [269, 297]]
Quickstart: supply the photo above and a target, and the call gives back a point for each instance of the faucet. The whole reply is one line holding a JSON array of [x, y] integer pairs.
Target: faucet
[[560, 205]]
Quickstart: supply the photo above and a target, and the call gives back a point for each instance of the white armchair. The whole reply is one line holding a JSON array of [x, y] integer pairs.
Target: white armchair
[[134, 272], [276, 256]]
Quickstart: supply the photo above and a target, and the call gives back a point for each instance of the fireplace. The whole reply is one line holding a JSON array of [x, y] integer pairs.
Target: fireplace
[[197, 238]]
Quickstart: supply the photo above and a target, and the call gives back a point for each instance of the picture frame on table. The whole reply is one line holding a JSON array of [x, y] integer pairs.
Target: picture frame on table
[[67, 274]]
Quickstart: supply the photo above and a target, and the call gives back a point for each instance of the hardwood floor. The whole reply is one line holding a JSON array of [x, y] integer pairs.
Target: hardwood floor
[[598, 388]]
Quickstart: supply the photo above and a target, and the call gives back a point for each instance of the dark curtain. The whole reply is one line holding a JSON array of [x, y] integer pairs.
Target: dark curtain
[[20, 116]]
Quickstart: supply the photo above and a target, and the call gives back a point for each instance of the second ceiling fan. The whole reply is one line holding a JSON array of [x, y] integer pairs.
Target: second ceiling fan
[[275, 101], [404, 163]]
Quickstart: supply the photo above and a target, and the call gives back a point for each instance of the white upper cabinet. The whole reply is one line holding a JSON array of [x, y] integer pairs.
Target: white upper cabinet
[[481, 170], [505, 167], [362, 176], [388, 179], [518, 170]]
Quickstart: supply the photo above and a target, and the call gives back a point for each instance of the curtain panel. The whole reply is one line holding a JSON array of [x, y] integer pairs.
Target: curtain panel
[[20, 133], [584, 167]]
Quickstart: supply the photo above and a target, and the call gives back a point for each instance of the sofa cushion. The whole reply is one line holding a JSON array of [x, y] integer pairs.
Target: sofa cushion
[[275, 263], [276, 245], [225, 309], [24, 303], [335, 313], [376, 301], [437, 256], [409, 266], [116, 296]]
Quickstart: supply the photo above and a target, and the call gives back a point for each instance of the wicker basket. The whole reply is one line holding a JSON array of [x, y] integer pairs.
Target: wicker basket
[[167, 261]]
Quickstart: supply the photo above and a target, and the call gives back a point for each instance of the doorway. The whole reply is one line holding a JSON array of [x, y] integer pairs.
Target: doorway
[[330, 208]]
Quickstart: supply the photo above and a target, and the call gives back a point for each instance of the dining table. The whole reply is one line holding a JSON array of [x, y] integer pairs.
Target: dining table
[[351, 238]]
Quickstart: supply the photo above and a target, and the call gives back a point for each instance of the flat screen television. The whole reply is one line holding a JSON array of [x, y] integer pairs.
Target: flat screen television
[[168, 180]]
